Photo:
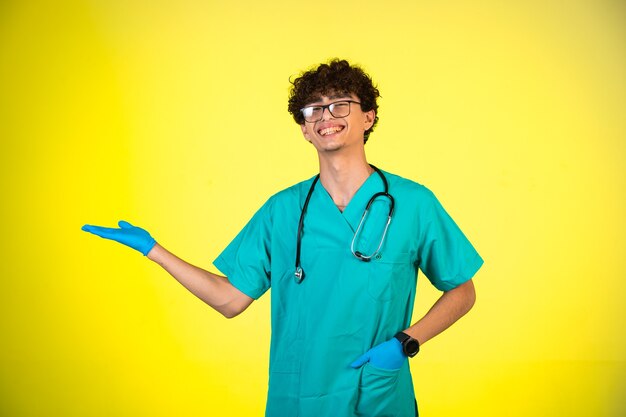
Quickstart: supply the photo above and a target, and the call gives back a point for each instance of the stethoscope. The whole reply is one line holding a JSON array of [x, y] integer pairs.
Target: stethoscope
[[299, 274]]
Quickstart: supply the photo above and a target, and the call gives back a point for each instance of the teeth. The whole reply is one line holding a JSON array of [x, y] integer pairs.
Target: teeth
[[330, 130]]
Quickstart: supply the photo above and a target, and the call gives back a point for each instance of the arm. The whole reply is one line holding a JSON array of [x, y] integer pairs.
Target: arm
[[450, 307], [215, 290]]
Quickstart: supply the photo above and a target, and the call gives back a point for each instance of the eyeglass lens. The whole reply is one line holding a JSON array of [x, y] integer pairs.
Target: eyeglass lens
[[315, 113]]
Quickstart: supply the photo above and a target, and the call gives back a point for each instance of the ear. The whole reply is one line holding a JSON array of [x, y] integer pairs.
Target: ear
[[370, 116], [305, 132]]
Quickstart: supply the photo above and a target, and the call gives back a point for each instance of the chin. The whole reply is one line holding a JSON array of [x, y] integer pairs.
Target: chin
[[331, 147]]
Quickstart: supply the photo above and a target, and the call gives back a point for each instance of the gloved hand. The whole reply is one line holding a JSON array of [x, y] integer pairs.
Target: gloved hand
[[387, 355], [129, 235]]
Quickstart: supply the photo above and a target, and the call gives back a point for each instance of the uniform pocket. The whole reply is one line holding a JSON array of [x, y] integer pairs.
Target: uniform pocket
[[384, 273], [385, 392], [377, 396], [282, 396]]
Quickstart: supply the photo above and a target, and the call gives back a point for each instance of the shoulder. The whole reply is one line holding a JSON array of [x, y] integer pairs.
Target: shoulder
[[292, 195], [407, 188]]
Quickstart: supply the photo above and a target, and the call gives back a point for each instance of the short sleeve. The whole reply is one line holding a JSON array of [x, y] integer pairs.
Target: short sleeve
[[246, 260], [445, 255]]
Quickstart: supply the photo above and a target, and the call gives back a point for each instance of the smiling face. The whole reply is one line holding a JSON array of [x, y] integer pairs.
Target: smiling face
[[332, 134]]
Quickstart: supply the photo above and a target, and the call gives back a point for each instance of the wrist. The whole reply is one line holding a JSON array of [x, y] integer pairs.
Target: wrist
[[155, 253], [410, 346]]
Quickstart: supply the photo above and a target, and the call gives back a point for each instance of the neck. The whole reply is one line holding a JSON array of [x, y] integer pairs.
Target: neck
[[342, 177]]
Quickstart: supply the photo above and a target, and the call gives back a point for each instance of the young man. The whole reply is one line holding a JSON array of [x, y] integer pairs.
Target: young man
[[340, 252]]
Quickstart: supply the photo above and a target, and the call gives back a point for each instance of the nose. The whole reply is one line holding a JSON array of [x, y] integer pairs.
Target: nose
[[324, 111]]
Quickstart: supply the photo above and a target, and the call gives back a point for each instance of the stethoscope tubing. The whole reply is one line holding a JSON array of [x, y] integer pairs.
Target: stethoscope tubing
[[299, 272]]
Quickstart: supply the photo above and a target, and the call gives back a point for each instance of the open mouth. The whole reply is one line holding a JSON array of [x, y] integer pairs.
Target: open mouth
[[330, 130]]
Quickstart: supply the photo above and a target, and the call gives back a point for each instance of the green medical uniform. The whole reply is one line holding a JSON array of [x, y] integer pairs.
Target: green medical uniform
[[344, 306]]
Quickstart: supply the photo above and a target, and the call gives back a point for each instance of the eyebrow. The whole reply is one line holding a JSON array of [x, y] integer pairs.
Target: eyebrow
[[330, 97]]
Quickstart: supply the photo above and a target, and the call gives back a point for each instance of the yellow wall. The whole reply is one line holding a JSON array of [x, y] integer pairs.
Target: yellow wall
[[172, 115]]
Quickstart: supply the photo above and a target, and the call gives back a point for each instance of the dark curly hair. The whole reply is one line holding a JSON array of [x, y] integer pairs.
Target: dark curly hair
[[336, 77]]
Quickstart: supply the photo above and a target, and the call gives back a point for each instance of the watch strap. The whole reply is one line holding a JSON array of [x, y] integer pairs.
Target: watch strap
[[401, 336]]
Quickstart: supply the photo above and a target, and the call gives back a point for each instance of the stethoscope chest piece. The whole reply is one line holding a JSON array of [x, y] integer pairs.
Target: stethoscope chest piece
[[299, 275]]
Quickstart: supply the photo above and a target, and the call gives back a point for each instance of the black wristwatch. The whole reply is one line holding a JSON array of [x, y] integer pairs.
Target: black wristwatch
[[410, 346]]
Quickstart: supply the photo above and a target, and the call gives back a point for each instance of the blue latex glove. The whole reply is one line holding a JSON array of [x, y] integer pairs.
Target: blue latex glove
[[127, 234], [387, 355]]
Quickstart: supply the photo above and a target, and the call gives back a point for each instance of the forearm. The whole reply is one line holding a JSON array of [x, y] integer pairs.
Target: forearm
[[450, 307], [214, 290]]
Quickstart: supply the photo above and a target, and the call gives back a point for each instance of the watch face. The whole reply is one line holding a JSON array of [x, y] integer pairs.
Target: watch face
[[411, 347]]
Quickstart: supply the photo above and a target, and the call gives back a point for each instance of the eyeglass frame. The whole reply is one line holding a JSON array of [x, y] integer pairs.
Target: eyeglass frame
[[327, 106]]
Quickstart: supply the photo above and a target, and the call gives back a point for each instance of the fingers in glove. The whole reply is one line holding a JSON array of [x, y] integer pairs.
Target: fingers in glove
[[363, 359], [105, 232]]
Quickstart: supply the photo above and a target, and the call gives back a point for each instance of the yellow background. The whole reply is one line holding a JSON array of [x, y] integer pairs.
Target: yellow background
[[172, 115]]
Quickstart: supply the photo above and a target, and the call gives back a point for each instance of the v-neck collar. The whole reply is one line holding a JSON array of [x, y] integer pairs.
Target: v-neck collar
[[353, 212]]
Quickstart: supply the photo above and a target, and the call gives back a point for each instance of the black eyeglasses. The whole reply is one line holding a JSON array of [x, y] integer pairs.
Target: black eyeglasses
[[314, 114]]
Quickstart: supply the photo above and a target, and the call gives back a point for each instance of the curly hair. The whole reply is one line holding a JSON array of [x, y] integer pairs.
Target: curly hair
[[336, 77]]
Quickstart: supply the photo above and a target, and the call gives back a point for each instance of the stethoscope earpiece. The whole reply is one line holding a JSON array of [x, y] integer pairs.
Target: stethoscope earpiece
[[361, 257]]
